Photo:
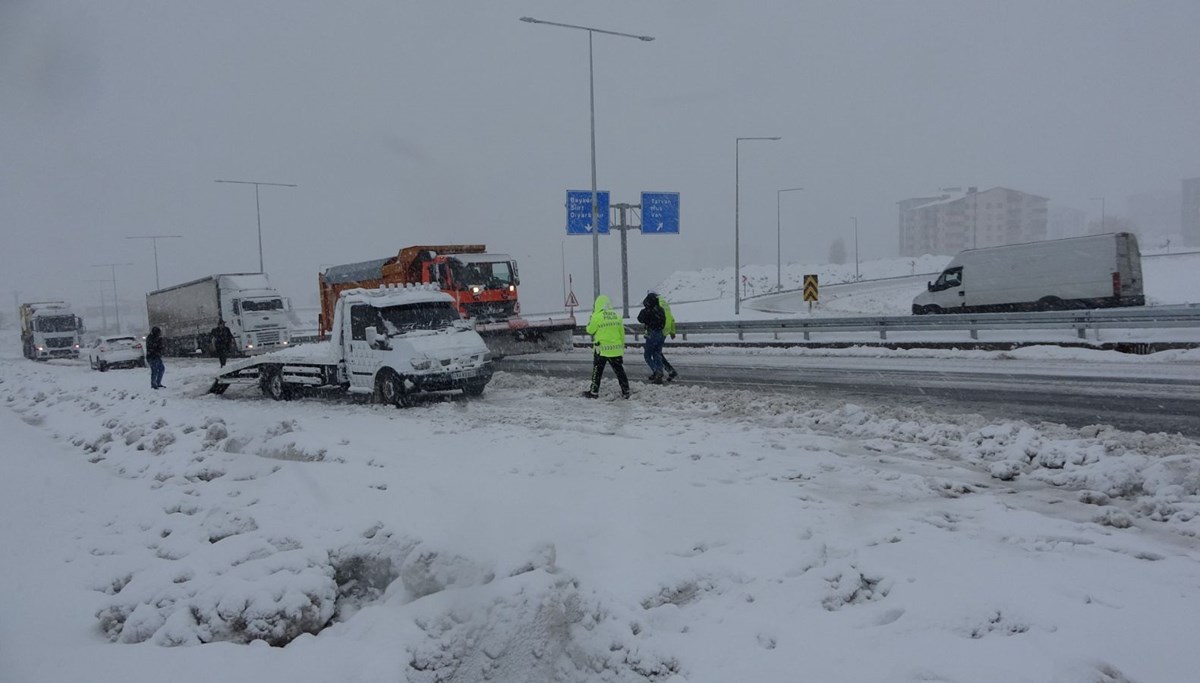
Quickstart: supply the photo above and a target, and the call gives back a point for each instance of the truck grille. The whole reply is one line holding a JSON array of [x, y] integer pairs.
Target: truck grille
[[59, 342], [268, 337], [490, 310]]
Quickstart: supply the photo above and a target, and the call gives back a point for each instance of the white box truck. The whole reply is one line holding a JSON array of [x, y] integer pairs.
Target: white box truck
[[252, 310], [1096, 271]]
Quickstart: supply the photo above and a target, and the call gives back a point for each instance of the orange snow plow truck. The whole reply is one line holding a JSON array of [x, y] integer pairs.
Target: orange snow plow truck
[[483, 285]]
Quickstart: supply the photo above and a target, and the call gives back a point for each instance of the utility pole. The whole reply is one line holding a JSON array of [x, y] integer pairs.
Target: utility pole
[[856, 276], [625, 227], [257, 210], [155, 239], [103, 305], [116, 299]]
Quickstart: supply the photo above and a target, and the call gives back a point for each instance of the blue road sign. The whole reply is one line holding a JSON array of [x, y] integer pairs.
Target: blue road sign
[[579, 212], [660, 213]]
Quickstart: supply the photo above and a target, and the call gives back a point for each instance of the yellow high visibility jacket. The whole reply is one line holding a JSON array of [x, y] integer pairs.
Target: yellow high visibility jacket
[[607, 329], [669, 328]]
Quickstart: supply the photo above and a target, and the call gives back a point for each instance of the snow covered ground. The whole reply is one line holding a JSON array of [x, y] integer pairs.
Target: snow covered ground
[[688, 534]]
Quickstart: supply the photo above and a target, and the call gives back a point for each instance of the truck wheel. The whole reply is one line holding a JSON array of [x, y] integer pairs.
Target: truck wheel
[[1050, 303], [102, 366], [389, 387], [933, 309], [272, 384]]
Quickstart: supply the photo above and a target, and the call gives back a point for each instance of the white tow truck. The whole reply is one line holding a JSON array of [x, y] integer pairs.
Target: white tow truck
[[392, 342]]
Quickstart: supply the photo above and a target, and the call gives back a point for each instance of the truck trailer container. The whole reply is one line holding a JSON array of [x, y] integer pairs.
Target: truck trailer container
[[252, 310]]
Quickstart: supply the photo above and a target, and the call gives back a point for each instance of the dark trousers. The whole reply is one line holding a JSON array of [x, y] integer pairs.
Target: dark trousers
[[222, 356], [618, 366], [652, 351], [156, 372]]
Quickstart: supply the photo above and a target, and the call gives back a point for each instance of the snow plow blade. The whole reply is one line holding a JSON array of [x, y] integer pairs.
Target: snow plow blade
[[517, 336]]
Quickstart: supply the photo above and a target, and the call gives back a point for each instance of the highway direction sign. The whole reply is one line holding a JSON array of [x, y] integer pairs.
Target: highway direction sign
[[579, 212], [660, 213]]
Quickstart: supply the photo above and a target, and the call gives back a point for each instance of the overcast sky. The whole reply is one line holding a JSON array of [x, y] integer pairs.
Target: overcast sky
[[408, 122]]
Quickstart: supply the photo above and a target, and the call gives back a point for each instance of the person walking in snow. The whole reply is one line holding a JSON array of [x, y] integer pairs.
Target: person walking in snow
[[222, 341], [154, 353], [608, 346], [654, 320], [668, 331]]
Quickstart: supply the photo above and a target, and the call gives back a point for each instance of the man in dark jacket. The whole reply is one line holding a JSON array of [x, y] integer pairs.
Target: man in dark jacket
[[154, 353], [654, 320], [222, 341]]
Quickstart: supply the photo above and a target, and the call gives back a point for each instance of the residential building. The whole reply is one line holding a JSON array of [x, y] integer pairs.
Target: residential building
[[951, 223]]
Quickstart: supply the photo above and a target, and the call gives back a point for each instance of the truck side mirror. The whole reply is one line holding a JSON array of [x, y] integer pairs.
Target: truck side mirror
[[374, 339]]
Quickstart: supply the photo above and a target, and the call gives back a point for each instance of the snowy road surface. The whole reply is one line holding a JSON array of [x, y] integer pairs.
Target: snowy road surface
[[689, 534], [1071, 386]]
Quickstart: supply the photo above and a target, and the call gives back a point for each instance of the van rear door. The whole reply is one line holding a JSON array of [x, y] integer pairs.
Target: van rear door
[[1129, 266]]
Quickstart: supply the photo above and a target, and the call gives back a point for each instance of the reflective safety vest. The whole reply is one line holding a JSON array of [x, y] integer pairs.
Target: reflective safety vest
[[669, 328], [607, 329]]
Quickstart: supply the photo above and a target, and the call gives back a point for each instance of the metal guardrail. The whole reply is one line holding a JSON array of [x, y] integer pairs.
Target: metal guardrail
[[1186, 315]]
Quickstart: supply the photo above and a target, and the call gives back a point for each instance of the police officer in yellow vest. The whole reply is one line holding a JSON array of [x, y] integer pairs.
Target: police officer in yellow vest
[[608, 346]]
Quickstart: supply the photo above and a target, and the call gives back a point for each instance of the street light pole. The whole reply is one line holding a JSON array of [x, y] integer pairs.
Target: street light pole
[[1102, 222], [855, 219], [778, 238], [592, 110], [737, 212], [155, 239], [257, 211], [116, 299]]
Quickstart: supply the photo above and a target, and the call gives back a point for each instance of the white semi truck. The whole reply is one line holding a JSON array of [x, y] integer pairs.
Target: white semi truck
[[393, 342], [252, 310], [49, 329], [1096, 271]]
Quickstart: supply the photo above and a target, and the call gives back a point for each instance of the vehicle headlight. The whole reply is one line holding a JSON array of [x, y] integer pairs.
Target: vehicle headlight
[[421, 363], [487, 355], [475, 289]]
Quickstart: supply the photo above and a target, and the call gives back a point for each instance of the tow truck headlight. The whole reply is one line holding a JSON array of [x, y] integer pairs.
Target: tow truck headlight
[[476, 289], [512, 288]]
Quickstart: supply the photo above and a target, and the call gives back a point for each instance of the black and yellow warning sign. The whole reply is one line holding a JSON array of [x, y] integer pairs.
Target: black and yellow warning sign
[[810, 288]]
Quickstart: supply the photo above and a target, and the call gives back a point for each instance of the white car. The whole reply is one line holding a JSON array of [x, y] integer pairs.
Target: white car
[[108, 352]]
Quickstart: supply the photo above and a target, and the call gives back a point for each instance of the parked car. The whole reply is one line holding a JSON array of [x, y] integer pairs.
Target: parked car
[[111, 352]]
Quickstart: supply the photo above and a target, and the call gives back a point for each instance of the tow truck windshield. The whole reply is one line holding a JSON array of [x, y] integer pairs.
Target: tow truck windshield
[[430, 315], [58, 323]]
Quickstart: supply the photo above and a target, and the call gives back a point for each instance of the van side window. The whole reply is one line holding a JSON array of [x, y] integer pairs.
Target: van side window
[[361, 317], [948, 278]]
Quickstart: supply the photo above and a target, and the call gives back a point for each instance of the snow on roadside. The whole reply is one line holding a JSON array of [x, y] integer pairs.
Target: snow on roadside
[[534, 536]]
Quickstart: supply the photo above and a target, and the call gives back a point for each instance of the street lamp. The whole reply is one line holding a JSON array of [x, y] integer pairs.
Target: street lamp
[[592, 109], [855, 247], [154, 239], [257, 212], [737, 210], [1101, 200], [116, 299], [778, 232]]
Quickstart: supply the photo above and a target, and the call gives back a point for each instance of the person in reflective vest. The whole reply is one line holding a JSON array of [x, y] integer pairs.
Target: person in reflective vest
[[669, 330], [608, 346]]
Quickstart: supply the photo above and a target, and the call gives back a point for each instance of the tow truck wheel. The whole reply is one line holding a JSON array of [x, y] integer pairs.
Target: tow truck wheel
[[390, 389], [273, 385]]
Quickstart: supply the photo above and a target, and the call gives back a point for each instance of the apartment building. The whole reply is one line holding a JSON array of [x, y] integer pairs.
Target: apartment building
[[951, 223]]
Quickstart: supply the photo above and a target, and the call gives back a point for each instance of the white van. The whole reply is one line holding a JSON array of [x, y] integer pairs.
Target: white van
[[1096, 271]]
